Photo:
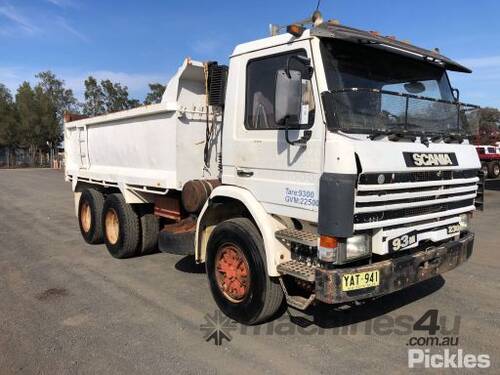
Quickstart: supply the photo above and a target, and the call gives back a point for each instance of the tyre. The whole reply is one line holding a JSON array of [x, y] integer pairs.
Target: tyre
[[493, 169], [237, 273], [150, 229], [122, 233], [484, 168], [89, 216]]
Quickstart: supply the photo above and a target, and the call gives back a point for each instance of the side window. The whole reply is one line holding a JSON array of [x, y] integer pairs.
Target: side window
[[260, 90]]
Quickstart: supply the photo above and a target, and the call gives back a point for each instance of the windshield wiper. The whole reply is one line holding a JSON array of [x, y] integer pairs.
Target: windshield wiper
[[392, 135], [450, 138]]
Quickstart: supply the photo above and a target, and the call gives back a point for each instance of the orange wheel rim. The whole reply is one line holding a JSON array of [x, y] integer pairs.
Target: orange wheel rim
[[112, 226], [85, 216], [232, 272]]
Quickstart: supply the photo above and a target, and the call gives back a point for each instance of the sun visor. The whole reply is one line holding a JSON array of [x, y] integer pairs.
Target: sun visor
[[328, 30]]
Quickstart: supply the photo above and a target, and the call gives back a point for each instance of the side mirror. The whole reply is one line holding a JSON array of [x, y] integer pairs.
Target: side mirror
[[288, 108], [288, 98]]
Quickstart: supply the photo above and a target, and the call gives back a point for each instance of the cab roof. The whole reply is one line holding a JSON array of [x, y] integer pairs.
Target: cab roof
[[350, 34]]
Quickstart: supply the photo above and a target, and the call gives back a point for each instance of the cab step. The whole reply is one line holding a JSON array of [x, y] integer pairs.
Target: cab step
[[298, 302], [302, 237], [298, 270]]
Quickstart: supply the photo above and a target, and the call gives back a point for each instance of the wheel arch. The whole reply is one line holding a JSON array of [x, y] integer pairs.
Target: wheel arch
[[227, 202]]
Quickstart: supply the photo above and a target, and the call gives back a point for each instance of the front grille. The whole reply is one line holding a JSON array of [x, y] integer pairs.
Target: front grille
[[412, 195]]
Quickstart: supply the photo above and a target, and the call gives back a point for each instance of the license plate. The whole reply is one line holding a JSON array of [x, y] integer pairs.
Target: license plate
[[354, 281]]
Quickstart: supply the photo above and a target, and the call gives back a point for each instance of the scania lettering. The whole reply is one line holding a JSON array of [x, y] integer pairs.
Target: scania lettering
[[323, 163], [431, 159]]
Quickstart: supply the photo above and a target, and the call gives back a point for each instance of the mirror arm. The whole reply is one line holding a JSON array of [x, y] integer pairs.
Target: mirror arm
[[304, 61], [302, 141]]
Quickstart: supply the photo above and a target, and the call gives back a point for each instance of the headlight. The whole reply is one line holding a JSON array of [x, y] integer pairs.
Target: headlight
[[464, 221], [339, 251], [357, 247]]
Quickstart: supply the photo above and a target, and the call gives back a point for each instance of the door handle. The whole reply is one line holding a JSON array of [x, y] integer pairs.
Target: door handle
[[243, 173]]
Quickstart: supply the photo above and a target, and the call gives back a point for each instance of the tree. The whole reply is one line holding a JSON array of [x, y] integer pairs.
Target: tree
[[134, 103], [155, 94], [489, 122], [49, 133], [39, 126], [61, 97], [28, 125], [9, 130], [94, 98], [106, 97], [115, 96]]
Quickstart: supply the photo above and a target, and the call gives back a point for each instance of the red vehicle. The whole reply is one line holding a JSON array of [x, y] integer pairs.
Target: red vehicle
[[490, 160]]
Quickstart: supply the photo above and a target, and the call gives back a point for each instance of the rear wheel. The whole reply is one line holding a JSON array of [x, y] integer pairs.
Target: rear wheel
[[89, 216], [150, 229], [493, 169], [237, 273], [121, 227]]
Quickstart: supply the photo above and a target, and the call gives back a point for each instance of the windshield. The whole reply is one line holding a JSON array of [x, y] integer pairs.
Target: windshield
[[375, 91]]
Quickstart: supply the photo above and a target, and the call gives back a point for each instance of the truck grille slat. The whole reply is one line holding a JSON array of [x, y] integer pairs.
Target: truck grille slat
[[388, 198], [413, 195], [415, 203]]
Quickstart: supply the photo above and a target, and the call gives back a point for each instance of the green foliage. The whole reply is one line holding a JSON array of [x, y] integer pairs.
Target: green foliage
[[38, 126], [155, 94], [106, 97], [115, 96], [61, 97], [48, 130], [26, 109], [9, 129], [94, 98]]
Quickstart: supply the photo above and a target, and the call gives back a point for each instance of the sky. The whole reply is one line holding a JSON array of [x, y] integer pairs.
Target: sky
[[138, 42]]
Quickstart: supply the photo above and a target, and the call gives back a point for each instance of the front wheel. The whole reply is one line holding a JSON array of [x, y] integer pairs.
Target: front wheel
[[237, 273]]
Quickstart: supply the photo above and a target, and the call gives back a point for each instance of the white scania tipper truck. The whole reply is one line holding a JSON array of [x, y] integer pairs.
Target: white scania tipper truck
[[323, 164]]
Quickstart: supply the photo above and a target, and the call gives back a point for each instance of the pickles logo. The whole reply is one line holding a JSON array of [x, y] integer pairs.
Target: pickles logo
[[424, 358], [416, 159]]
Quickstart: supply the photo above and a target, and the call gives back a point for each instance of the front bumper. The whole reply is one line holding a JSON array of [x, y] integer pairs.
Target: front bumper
[[397, 273]]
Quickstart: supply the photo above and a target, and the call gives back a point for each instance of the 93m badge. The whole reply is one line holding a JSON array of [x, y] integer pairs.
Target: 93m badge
[[403, 241]]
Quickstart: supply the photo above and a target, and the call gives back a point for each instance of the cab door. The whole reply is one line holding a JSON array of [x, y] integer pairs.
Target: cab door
[[283, 177]]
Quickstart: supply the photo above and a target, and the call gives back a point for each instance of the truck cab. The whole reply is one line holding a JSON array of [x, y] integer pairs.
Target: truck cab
[[356, 144]]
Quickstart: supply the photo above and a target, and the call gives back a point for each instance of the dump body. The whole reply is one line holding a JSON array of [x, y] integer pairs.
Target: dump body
[[151, 148]]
